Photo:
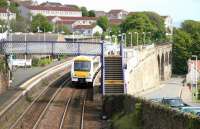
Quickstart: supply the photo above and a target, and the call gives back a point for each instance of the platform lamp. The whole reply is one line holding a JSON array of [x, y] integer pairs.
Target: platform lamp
[[196, 86]]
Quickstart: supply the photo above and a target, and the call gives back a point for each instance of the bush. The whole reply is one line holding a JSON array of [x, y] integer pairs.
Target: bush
[[35, 62], [2, 65], [41, 62], [134, 113]]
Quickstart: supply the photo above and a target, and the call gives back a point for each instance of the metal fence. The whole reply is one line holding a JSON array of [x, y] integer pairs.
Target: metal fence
[[51, 47]]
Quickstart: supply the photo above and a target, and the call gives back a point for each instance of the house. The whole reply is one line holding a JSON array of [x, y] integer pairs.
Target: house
[[100, 13], [4, 14], [168, 21], [117, 14], [71, 22], [49, 10], [193, 71], [88, 30]]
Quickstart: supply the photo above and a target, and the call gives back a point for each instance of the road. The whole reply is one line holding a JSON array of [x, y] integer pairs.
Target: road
[[171, 88]]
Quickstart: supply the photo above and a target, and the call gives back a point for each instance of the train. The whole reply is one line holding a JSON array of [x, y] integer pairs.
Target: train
[[84, 69]]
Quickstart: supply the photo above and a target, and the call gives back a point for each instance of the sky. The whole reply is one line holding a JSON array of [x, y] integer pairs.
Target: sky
[[179, 10]]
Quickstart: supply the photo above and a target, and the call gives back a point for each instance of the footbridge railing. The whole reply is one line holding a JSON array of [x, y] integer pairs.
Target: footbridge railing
[[51, 47]]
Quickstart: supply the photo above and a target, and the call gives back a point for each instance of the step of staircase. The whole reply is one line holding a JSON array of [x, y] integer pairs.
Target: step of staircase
[[114, 83]]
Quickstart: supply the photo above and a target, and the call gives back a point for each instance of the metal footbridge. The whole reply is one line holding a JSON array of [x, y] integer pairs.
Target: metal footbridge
[[112, 75]]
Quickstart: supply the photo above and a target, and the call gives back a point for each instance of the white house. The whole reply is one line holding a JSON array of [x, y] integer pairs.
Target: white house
[[168, 21], [193, 71], [4, 14], [71, 22], [88, 30], [117, 14], [59, 11]]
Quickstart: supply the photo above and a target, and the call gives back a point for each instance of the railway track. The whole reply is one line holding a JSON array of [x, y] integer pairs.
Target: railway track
[[30, 118], [59, 107], [73, 117]]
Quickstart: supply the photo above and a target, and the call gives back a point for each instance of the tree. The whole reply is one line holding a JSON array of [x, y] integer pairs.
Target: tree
[[84, 11], [149, 22], [103, 22], [59, 28], [91, 13], [137, 21], [158, 25], [3, 3], [20, 25], [181, 51], [41, 22]]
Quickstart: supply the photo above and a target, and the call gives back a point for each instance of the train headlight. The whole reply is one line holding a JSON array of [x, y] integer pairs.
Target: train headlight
[[89, 75], [74, 75]]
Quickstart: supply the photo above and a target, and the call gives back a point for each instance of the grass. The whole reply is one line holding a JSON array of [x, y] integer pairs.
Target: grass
[[131, 120]]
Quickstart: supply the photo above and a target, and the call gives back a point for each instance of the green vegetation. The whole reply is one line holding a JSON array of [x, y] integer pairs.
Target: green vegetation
[[84, 11], [186, 43], [128, 112], [2, 65], [128, 121], [91, 13], [3, 3], [41, 22], [41, 62], [103, 22], [150, 23]]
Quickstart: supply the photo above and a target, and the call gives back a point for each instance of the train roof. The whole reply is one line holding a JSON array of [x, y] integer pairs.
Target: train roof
[[83, 58]]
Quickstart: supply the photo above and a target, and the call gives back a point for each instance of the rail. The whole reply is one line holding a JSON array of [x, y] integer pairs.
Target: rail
[[34, 101]]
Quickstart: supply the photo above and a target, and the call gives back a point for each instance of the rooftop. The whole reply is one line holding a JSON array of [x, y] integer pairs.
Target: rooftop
[[72, 18], [54, 8], [84, 26], [4, 10]]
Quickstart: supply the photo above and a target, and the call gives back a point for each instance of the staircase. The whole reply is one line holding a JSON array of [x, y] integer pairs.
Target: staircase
[[114, 80]]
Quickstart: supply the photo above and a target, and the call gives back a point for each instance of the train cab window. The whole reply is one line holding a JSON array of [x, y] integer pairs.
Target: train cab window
[[82, 66]]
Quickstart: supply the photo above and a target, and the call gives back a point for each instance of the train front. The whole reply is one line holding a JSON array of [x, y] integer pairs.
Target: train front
[[82, 70]]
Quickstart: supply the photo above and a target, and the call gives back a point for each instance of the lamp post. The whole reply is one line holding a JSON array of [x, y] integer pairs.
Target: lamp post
[[131, 38], [73, 36], [149, 37], [195, 56], [144, 37], [8, 20], [1, 28], [44, 35], [124, 39], [137, 38], [115, 38]]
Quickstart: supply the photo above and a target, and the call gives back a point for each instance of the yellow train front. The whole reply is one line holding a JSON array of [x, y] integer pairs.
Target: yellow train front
[[82, 71]]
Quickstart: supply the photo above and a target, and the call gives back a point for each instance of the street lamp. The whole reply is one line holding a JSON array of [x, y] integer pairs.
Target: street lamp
[[110, 36], [144, 37], [149, 37], [8, 19], [124, 39], [115, 38], [137, 37], [73, 36], [195, 56], [1, 26], [131, 38]]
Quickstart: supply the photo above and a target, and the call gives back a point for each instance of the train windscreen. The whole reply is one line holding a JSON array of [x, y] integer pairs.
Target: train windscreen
[[82, 66]]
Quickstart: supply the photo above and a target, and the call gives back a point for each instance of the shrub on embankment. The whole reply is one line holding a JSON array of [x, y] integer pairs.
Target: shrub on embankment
[[41, 62], [128, 112]]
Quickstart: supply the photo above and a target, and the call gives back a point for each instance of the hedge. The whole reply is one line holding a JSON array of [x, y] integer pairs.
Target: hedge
[[147, 115]]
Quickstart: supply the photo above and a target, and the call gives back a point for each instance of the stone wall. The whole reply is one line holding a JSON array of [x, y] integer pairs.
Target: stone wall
[[146, 73]]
